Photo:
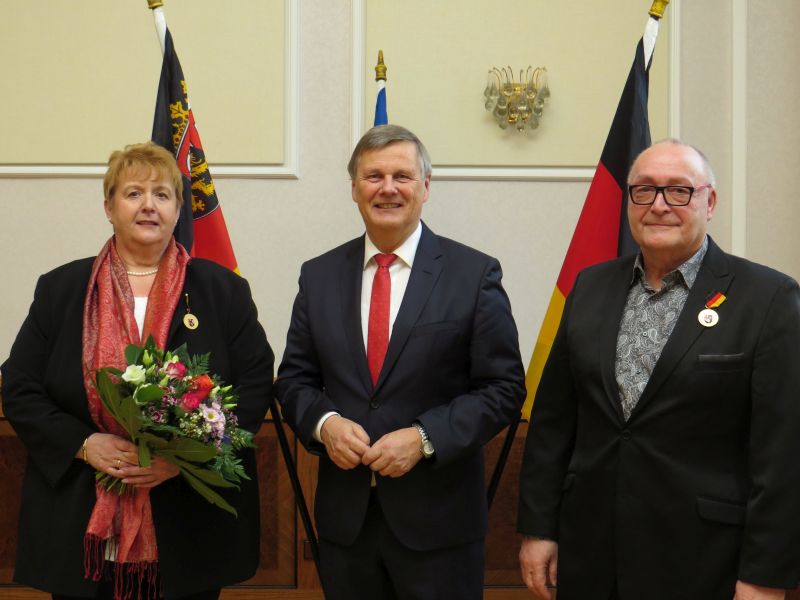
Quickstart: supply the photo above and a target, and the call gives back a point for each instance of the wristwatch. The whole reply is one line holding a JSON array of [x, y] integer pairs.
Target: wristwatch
[[425, 447]]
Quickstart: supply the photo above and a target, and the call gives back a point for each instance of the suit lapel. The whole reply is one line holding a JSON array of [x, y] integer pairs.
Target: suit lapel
[[180, 309], [428, 264], [351, 273], [714, 276], [614, 298]]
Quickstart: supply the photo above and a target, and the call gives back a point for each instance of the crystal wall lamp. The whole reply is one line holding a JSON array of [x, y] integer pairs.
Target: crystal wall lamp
[[516, 103]]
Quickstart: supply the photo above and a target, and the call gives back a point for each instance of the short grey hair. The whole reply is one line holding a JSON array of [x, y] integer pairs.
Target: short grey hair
[[709, 172], [385, 135]]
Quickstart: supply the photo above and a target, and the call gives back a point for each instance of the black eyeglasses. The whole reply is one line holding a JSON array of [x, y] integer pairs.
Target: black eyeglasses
[[674, 195]]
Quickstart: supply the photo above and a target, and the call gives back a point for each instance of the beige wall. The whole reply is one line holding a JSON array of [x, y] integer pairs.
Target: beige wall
[[83, 77], [439, 54], [276, 223]]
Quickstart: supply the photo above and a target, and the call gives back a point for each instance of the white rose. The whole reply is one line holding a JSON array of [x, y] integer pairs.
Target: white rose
[[134, 374]]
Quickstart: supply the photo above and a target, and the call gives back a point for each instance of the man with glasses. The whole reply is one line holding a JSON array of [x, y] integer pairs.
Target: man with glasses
[[662, 456]]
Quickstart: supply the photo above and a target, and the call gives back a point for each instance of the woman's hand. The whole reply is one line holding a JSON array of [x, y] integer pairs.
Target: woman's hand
[[119, 458], [140, 477], [109, 453]]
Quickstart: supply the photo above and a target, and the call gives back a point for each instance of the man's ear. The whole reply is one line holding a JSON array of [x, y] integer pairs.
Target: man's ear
[[712, 203]]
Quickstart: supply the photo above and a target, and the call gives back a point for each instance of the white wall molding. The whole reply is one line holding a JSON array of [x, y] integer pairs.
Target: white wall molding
[[286, 170], [513, 173]]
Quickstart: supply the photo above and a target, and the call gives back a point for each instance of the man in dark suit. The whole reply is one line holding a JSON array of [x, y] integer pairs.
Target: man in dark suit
[[401, 362], [662, 458]]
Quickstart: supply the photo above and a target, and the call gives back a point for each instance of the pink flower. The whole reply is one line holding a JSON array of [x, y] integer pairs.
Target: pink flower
[[198, 391], [176, 370]]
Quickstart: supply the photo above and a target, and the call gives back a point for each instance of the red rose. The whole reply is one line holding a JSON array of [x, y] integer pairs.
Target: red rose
[[176, 370], [198, 391]]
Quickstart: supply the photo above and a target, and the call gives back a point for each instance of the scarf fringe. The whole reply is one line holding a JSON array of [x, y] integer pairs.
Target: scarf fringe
[[131, 579], [94, 549], [138, 577]]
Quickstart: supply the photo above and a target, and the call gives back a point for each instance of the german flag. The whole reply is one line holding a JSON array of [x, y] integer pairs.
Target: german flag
[[602, 232], [201, 227]]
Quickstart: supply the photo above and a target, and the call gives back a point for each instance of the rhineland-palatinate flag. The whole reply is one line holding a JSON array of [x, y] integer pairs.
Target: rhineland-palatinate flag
[[602, 231], [201, 227]]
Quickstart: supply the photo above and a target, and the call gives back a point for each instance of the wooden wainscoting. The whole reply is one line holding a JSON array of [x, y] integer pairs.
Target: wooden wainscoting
[[286, 570]]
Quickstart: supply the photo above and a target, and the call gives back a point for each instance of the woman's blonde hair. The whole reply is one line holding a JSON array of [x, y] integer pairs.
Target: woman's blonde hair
[[142, 156]]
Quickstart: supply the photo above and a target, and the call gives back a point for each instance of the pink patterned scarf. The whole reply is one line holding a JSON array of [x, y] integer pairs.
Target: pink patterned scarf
[[108, 327]]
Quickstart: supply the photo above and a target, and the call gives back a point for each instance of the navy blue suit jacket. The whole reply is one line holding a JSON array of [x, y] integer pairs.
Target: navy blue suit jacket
[[452, 364]]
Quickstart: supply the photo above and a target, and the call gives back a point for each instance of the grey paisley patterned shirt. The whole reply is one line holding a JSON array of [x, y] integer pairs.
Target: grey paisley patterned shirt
[[647, 322]]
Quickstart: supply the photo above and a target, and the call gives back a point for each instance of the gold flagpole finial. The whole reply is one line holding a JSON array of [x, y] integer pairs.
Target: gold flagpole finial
[[153, 4], [658, 8], [380, 68]]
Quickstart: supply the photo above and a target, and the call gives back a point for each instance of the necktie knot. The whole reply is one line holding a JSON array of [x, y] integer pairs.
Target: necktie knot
[[384, 260]]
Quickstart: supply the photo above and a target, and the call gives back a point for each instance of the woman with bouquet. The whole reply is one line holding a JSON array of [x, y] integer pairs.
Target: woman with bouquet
[[76, 539]]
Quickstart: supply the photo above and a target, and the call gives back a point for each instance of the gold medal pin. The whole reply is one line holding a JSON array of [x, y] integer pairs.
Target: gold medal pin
[[189, 320], [708, 317]]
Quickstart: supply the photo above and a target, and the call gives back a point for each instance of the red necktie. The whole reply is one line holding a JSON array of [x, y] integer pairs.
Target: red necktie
[[378, 332]]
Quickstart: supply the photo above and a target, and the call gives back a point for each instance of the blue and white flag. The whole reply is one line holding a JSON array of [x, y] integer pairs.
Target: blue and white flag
[[381, 118]]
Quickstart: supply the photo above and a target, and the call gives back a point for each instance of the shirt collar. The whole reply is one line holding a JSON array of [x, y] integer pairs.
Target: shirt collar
[[405, 252], [687, 272]]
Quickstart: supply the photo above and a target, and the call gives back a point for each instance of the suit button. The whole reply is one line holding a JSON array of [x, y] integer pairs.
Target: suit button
[[374, 404], [626, 435]]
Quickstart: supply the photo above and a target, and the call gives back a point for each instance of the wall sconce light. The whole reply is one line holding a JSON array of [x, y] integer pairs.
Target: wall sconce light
[[516, 103]]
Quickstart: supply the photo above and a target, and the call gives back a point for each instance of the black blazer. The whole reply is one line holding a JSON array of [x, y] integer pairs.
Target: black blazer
[[200, 546], [701, 486], [453, 364]]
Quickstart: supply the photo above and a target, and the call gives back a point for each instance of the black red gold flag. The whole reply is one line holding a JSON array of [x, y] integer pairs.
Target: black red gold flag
[[602, 231]]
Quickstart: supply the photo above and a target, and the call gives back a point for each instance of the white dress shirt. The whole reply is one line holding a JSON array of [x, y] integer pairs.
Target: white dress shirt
[[399, 272], [139, 311]]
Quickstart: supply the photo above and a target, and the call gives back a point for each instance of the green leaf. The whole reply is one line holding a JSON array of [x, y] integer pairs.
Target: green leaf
[[133, 354], [144, 454], [109, 394], [209, 476], [207, 493], [182, 353], [129, 416], [147, 393], [189, 449], [156, 442], [194, 451]]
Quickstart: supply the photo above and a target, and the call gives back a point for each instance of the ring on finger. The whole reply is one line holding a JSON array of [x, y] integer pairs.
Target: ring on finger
[[119, 462]]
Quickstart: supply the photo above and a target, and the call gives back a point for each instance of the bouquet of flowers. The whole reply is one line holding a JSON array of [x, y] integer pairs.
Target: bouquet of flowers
[[171, 406]]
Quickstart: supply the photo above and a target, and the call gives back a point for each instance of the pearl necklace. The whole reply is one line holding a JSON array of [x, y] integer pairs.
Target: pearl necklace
[[142, 273]]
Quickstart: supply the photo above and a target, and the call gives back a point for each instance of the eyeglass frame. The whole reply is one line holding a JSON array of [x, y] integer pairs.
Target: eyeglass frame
[[661, 189]]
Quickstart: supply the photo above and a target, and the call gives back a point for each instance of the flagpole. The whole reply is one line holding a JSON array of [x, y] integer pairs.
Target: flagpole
[[288, 459], [651, 29], [381, 118], [656, 10], [159, 19]]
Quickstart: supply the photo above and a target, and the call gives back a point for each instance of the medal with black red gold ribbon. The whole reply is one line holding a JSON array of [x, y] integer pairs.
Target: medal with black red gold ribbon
[[708, 317]]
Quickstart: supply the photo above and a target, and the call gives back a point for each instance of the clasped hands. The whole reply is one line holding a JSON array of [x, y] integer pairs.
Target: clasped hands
[[120, 458], [348, 446]]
